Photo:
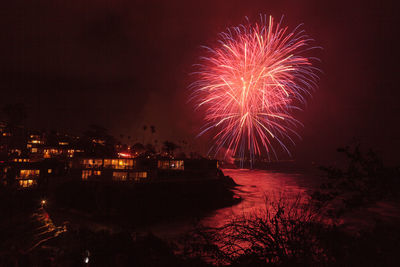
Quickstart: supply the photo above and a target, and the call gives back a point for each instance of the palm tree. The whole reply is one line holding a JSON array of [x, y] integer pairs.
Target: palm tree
[[156, 144], [15, 114], [150, 149], [97, 141], [138, 147], [144, 131], [170, 147], [153, 131]]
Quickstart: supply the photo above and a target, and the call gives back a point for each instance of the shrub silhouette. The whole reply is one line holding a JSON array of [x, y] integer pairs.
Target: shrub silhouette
[[286, 232]]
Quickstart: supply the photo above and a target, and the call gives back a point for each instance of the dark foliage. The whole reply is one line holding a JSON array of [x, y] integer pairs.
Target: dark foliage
[[143, 202], [96, 142], [286, 233], [170, 147], [365, 180], [292, 233], [15, 114], [78, 247]]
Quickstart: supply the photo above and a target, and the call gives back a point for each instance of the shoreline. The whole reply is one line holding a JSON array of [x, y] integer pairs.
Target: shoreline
[[153, 204]]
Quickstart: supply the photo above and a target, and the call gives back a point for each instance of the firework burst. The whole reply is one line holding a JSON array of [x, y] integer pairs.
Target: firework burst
[[250, 84]]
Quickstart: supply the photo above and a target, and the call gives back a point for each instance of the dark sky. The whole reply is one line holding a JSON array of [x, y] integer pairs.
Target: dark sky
[[122, 64]]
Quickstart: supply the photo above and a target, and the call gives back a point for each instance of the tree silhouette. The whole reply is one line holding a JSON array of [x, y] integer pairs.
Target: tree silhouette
[[153, 131], [138, 147], [170, 147], [97, 142], [15, 114], [144, 131], [150, 149]]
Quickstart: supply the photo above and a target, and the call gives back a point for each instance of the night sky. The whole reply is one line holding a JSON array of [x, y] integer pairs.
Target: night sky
[[122, 64]]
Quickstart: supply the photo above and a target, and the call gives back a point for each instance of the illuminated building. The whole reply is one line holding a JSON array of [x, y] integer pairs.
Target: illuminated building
[[21, 160], [25, 173], [28, 178], [145, 169], [171, 164], [116, 169]]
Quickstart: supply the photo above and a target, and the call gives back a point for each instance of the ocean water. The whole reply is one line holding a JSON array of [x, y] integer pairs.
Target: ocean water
[[257, 185], [254, 187]]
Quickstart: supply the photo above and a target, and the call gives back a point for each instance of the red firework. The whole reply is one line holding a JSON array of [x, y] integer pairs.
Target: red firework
[[250, 84]]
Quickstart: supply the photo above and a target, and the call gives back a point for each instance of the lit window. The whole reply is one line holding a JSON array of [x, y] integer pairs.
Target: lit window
[[120, 176], [130, 163], [107, 163], [171, 164], [86, 174], [24, 174], [49, 171], [26, 183], [90, 163], [138, 175], [121, 164], [34, 150], [86, 163], [71, 153]]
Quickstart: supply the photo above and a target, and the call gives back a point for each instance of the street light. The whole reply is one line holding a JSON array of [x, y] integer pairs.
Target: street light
[[86, 257]]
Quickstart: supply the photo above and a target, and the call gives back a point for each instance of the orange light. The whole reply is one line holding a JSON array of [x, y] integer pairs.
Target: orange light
[[124, 155]]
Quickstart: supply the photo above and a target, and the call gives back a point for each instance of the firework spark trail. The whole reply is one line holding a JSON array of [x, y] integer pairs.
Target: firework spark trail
[[250, 84]]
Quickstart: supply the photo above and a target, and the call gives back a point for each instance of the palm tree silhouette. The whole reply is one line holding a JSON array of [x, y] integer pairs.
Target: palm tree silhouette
[[144, 132]]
